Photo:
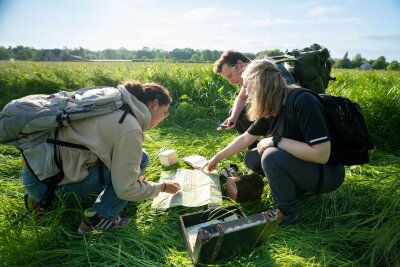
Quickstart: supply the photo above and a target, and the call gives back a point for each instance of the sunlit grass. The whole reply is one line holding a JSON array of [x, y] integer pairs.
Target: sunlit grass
[[357, 225]]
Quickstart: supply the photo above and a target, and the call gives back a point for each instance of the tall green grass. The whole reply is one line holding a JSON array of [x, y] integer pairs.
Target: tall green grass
[[357, 225], [378, 93], [198, 93]]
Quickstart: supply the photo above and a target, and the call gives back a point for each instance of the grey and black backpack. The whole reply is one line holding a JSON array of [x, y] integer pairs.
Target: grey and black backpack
[[31, 124]]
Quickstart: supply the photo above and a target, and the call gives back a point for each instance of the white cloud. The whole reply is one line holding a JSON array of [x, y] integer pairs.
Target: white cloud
[[270, 22], [223, 26], [323, 10], [164, 20], [309, 4], [352, 20], [201, 13], [237, 13]]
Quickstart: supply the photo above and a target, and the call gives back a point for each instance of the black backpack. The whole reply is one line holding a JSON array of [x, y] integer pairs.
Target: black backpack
[[350, 141], [310, 67]]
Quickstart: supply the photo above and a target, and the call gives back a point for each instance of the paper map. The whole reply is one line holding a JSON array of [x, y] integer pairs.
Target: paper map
[[195, 161], [198, 188]]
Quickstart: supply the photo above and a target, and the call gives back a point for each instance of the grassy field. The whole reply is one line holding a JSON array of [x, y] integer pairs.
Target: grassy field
[[357, 225]]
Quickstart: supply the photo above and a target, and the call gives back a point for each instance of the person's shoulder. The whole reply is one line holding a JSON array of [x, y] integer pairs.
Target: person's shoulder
[[118, 122], [304, 95], [262, 120], [305, 99]]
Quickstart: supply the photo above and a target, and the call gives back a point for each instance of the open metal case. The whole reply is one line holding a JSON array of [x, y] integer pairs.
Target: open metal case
[[220, 235]]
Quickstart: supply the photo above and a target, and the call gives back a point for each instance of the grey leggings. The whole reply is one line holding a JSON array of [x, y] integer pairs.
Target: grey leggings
[[289, 177]]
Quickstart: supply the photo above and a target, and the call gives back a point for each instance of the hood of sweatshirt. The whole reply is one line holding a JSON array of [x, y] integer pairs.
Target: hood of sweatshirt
[[138, 108]]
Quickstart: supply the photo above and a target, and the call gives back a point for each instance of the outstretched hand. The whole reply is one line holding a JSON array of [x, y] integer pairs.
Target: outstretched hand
[[171, 187], [211, 164], [230, 123]]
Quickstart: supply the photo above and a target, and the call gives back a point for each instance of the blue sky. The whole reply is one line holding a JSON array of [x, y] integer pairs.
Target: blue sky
[[371, 28]]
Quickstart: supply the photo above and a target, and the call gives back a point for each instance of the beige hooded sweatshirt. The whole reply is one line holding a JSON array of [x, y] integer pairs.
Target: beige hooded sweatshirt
[[118, 145]]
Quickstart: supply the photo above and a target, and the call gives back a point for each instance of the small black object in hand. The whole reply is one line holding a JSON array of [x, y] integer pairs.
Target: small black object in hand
[[224, 126]]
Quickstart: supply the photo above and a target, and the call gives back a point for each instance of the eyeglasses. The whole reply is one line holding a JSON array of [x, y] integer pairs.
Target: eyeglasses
[[166, 114], [231, 69]]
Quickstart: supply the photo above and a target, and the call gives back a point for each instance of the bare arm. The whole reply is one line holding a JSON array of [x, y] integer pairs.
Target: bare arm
[[238, 106], [318, 153], [237, 145]]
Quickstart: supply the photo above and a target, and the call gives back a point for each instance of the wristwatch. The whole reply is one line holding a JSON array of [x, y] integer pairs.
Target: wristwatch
[[276, 139]]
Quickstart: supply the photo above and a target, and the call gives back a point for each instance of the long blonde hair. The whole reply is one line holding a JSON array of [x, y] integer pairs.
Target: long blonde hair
[[267, 88]]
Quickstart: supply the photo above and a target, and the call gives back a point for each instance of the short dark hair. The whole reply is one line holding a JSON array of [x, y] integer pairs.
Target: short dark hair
[[229, 57]]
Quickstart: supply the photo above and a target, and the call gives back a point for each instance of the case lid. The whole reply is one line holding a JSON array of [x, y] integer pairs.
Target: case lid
[[224, 239]]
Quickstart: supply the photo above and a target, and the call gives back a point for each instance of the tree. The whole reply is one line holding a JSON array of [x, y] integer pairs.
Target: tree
[[357, 61], [123, 53], [160, 54], [207, 55], [379, 63], [195, 58], [182, 54], [343, 63], [346, 63], [217, 54], [394, 65], [145, 53], [23, 53], [5, 54]]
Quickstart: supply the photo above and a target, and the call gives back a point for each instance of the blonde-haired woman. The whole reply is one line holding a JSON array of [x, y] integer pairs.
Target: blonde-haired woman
[[295, 153]]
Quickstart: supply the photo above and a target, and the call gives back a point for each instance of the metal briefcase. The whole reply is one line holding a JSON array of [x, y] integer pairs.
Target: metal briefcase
[[226, 238]]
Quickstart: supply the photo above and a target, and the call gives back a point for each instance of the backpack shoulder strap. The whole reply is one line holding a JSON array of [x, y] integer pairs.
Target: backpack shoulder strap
[[284, 58], [126, 110], [278, 124], [293, 95]]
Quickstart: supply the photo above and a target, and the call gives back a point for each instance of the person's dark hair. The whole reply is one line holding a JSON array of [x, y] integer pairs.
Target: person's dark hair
[[229, 57], [148, 92]]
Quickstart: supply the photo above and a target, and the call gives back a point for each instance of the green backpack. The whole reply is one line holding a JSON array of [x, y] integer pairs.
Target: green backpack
[[310, 67]]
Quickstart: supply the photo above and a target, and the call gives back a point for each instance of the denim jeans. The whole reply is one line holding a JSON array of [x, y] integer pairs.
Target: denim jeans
[[107, 203]]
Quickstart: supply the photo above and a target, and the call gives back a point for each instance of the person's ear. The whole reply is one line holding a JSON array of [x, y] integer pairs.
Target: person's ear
[[154, 104], [240, 63]]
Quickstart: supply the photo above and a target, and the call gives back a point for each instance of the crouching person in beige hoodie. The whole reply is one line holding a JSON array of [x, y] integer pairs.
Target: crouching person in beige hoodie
[[115, 141]]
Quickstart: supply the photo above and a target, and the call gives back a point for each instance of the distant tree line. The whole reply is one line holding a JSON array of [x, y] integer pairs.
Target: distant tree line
[[177, 54], [359, 62], [144, 54]]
